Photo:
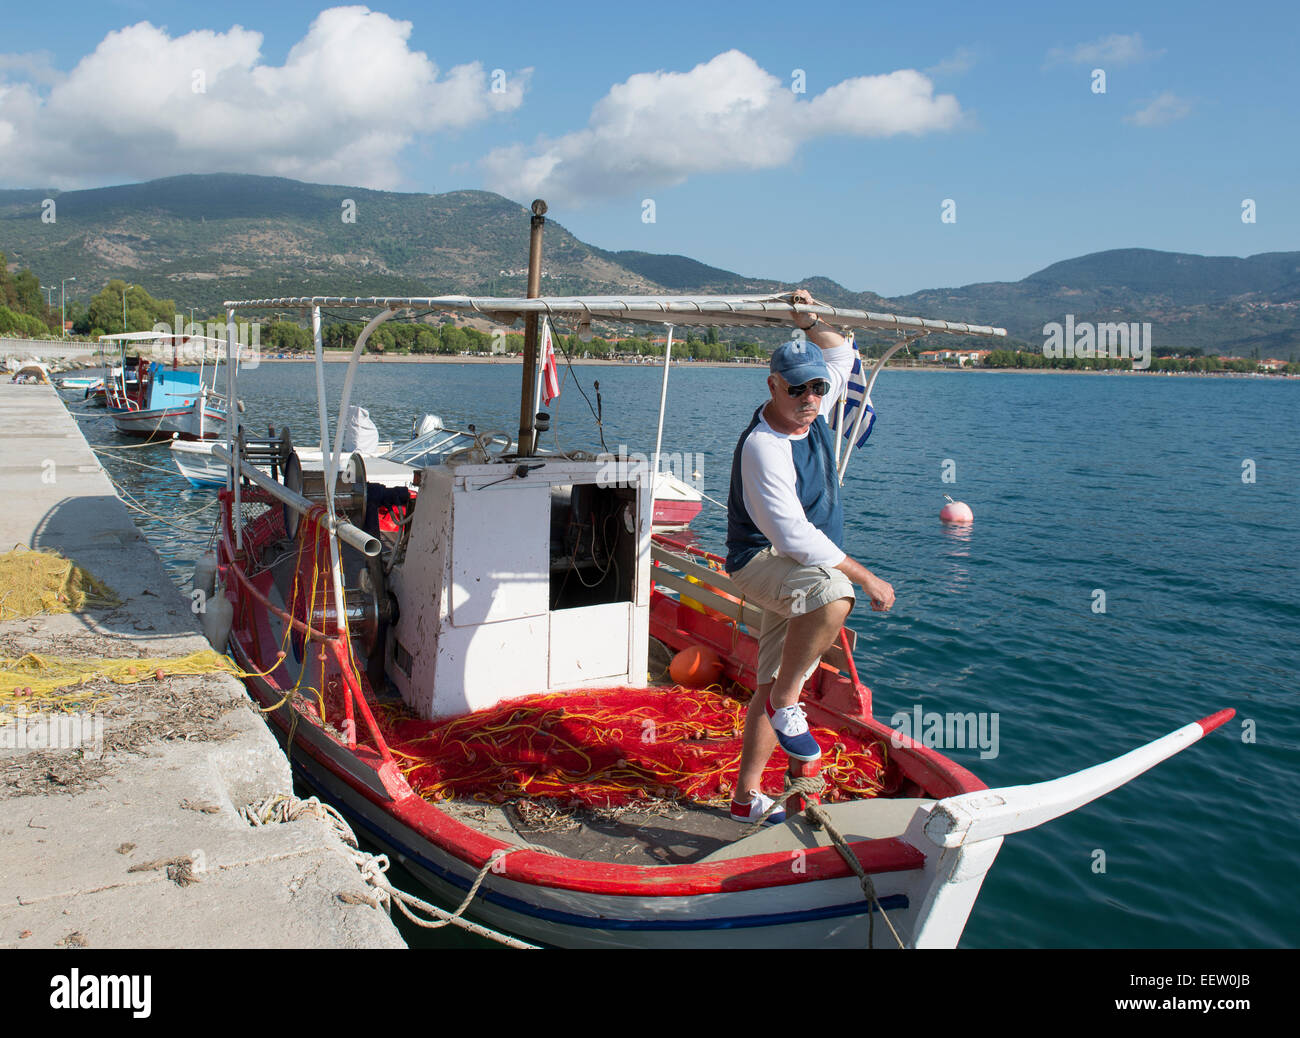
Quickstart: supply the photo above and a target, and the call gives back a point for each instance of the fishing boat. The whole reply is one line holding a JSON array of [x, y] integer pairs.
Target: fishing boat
[[96, 394], [470, 687], [91, 387], [150, 400]]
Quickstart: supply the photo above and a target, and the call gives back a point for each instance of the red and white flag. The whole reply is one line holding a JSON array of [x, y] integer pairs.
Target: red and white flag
[[550, 373]]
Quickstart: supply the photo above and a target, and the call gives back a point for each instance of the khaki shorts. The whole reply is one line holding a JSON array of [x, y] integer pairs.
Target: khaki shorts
[[784, 588]]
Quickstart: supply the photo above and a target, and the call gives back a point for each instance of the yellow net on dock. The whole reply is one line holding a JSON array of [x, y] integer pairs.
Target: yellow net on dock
[[34, 683], [36, 582]]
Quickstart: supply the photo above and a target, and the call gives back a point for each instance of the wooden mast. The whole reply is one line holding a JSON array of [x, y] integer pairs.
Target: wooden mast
[[528, 401]]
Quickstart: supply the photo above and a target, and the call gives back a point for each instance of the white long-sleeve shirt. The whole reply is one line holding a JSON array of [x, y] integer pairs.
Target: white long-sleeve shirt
[[769, 481]]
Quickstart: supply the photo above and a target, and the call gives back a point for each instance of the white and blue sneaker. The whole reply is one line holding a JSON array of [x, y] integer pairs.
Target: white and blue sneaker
[[753, 810], [791, 727]]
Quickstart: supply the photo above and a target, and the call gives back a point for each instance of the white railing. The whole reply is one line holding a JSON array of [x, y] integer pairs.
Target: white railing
[[45, 348]]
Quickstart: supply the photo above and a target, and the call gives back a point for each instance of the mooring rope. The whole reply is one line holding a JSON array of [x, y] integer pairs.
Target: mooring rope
[[141, 464], [281, 807], [131, 501], [818, 818], [810, 786]]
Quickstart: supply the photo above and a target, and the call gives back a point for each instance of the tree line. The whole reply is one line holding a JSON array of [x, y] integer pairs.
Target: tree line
[[447, 338], [23, 308], [1028, 359]]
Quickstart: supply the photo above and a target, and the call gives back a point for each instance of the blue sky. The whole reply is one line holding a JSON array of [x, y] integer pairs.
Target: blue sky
[[599, 107]]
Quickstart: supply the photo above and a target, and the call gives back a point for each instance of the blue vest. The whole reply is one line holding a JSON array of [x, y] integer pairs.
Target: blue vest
[[816, 484]]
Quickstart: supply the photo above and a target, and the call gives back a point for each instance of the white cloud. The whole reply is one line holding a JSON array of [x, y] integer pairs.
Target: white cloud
[[349, 97], [727, 114], [961, 62], [1163, 109], [1115, 49]]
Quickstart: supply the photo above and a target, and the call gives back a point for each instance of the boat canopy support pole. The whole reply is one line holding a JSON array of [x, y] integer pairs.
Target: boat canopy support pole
[[663, 400], [866, 400], [319, 345], [231, 422], [216, 370], [357, 350], [331, 468]]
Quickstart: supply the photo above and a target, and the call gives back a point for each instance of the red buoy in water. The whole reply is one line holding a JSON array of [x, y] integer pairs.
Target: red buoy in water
[[956, 512], [696, 666]]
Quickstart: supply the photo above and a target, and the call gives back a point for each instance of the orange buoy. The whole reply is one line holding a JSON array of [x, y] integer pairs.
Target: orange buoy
[[695, 667]]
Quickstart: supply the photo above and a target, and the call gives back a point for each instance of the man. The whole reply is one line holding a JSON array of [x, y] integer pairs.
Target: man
[[784, 527]]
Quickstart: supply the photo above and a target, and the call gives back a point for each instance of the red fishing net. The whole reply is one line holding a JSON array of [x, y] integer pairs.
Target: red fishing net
[[609, 748]]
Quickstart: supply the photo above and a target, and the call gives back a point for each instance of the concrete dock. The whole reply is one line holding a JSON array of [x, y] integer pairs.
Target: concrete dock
[[90, 844]]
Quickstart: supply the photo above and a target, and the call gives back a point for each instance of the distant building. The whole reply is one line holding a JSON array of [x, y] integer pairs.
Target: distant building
[[963, 358]]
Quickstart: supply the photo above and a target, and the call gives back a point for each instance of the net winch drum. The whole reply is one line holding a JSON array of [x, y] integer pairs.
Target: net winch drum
[[273, 451], [308, 480]]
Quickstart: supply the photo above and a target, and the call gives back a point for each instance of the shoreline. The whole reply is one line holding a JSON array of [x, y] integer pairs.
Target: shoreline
[[83, 362], [341, 356]]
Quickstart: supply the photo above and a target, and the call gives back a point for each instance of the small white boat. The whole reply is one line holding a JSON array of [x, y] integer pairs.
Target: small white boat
[[676, 503], [195, 461]]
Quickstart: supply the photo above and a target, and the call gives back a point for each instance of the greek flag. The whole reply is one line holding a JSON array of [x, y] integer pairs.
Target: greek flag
[[856, 397]]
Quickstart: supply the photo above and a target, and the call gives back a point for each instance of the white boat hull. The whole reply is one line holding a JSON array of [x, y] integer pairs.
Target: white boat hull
[[196, 463]]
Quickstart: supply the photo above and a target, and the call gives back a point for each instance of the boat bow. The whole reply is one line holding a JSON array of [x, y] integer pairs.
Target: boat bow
[[990, 813]]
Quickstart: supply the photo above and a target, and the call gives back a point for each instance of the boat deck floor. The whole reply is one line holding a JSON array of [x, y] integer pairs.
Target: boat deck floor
[[623, 836], [688, 834]]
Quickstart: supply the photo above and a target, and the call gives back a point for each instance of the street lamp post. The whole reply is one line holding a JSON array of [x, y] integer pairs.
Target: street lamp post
[[63, 306]]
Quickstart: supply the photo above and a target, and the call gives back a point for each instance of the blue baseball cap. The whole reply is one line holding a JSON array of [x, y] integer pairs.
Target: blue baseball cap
[[799, 361]]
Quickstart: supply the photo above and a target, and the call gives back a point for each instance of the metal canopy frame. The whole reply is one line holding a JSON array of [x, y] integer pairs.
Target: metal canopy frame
[[717, 311]]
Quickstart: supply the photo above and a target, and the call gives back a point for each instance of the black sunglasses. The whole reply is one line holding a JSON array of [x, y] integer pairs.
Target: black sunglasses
[[819, 386]]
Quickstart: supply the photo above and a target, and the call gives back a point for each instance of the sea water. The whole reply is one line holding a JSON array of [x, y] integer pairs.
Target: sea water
[[1132, 567]]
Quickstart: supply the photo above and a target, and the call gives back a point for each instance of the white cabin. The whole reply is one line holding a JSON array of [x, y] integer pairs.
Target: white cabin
[[518, 584]]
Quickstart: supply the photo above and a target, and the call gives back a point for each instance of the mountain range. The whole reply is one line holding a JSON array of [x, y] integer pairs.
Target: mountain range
[[199, 239]]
